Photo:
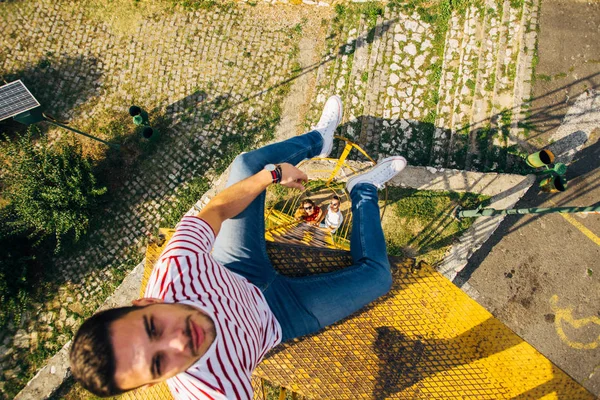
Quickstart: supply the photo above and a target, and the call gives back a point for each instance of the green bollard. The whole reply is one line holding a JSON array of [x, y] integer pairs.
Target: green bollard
[[138, 120], [540, 159], [554, 184], [150, 134], [140, 117], [134, 110]]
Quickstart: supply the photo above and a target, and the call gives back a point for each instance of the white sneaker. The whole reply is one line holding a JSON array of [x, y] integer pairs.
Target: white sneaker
[[330, 119], [382, 172]]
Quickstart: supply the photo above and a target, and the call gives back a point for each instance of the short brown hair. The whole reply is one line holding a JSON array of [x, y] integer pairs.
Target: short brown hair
[[92, 355]]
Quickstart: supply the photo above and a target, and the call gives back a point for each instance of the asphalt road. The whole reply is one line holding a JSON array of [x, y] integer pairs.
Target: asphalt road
[[540, 275]]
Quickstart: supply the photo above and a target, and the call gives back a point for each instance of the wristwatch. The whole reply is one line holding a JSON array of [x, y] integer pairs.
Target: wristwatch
[[275, 171]]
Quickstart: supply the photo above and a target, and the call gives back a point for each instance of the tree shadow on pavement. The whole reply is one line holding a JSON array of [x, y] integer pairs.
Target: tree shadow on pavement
[[404, 361]]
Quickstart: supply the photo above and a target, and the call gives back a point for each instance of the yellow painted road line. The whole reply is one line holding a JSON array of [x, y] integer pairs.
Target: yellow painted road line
[[581, 227]]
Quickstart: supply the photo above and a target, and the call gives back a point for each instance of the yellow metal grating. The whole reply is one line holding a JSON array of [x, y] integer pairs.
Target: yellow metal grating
[[302, 233], [425, 339]]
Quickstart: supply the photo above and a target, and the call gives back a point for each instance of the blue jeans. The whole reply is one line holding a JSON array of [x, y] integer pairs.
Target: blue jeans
[[307, 304]]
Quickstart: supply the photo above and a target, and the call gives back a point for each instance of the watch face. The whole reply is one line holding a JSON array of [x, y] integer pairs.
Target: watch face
[[270, 167]]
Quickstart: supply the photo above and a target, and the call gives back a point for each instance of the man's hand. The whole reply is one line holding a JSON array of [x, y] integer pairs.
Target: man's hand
[[292, 177]]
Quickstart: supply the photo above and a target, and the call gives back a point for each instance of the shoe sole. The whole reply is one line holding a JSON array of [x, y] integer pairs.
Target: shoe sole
[[340, 110], [385, 161]]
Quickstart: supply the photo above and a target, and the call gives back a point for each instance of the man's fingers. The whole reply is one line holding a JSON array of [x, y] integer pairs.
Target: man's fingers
[[295, 185], [303, 177]]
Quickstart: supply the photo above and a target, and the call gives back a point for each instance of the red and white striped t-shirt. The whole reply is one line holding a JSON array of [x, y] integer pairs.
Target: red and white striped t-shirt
[[245, 327]]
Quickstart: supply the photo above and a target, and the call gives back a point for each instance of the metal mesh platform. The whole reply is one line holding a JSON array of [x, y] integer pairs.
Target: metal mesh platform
[[425, 339]]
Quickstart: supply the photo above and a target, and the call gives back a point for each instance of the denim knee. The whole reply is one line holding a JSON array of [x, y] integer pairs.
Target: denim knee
[[243, 166], [383, 277]]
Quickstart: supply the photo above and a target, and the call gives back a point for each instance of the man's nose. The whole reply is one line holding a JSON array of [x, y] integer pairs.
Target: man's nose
[[176, 341]]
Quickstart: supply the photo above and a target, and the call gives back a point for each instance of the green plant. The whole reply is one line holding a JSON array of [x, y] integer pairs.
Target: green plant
[[51, 188], [340, 10], [517, 3], [471, 85], [17, 267], [296, 29], [511, 71], [193, 5], [489, 86], [371, 11]]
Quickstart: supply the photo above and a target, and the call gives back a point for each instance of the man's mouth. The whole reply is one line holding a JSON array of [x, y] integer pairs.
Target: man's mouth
[[196, 336]]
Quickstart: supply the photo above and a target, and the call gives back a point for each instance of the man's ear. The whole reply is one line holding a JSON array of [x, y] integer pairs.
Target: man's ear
[[146, 301]]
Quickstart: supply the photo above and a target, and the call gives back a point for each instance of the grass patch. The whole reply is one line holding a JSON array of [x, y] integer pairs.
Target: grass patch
[[419, 223], [560, 75], [364, 77], [489, 86], [517, 3], [511, 71], [371, 11], [125, 16], [471, 85]]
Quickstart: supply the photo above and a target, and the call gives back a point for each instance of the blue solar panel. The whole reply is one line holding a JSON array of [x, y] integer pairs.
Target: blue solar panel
[[15, 99]]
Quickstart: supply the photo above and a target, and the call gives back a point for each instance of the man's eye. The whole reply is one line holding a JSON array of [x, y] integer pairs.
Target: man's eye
[[157, 365], [152, 328]]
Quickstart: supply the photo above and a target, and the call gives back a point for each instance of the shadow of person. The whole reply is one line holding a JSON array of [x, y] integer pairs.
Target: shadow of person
[[405, 361]]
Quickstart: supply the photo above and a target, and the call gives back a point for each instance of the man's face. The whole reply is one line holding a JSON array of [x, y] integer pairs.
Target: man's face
[[309, 208], [159, 341], [335, 205]]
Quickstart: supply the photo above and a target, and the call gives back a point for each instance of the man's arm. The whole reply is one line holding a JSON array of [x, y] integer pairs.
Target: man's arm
[[233, 200]]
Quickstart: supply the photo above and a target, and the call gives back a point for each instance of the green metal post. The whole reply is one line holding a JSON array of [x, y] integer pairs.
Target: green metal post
[[113, 145], [488, 212]]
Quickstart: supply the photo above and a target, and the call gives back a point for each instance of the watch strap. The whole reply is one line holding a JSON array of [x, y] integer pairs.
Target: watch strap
[[278, 173]]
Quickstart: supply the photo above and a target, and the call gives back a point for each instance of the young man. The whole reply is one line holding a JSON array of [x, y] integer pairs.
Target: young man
[[334, 217], [207, 319]]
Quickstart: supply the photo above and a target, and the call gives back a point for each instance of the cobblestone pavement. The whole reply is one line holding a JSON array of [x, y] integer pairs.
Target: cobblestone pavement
[[214, 80], [453, 102], [205, 77]]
